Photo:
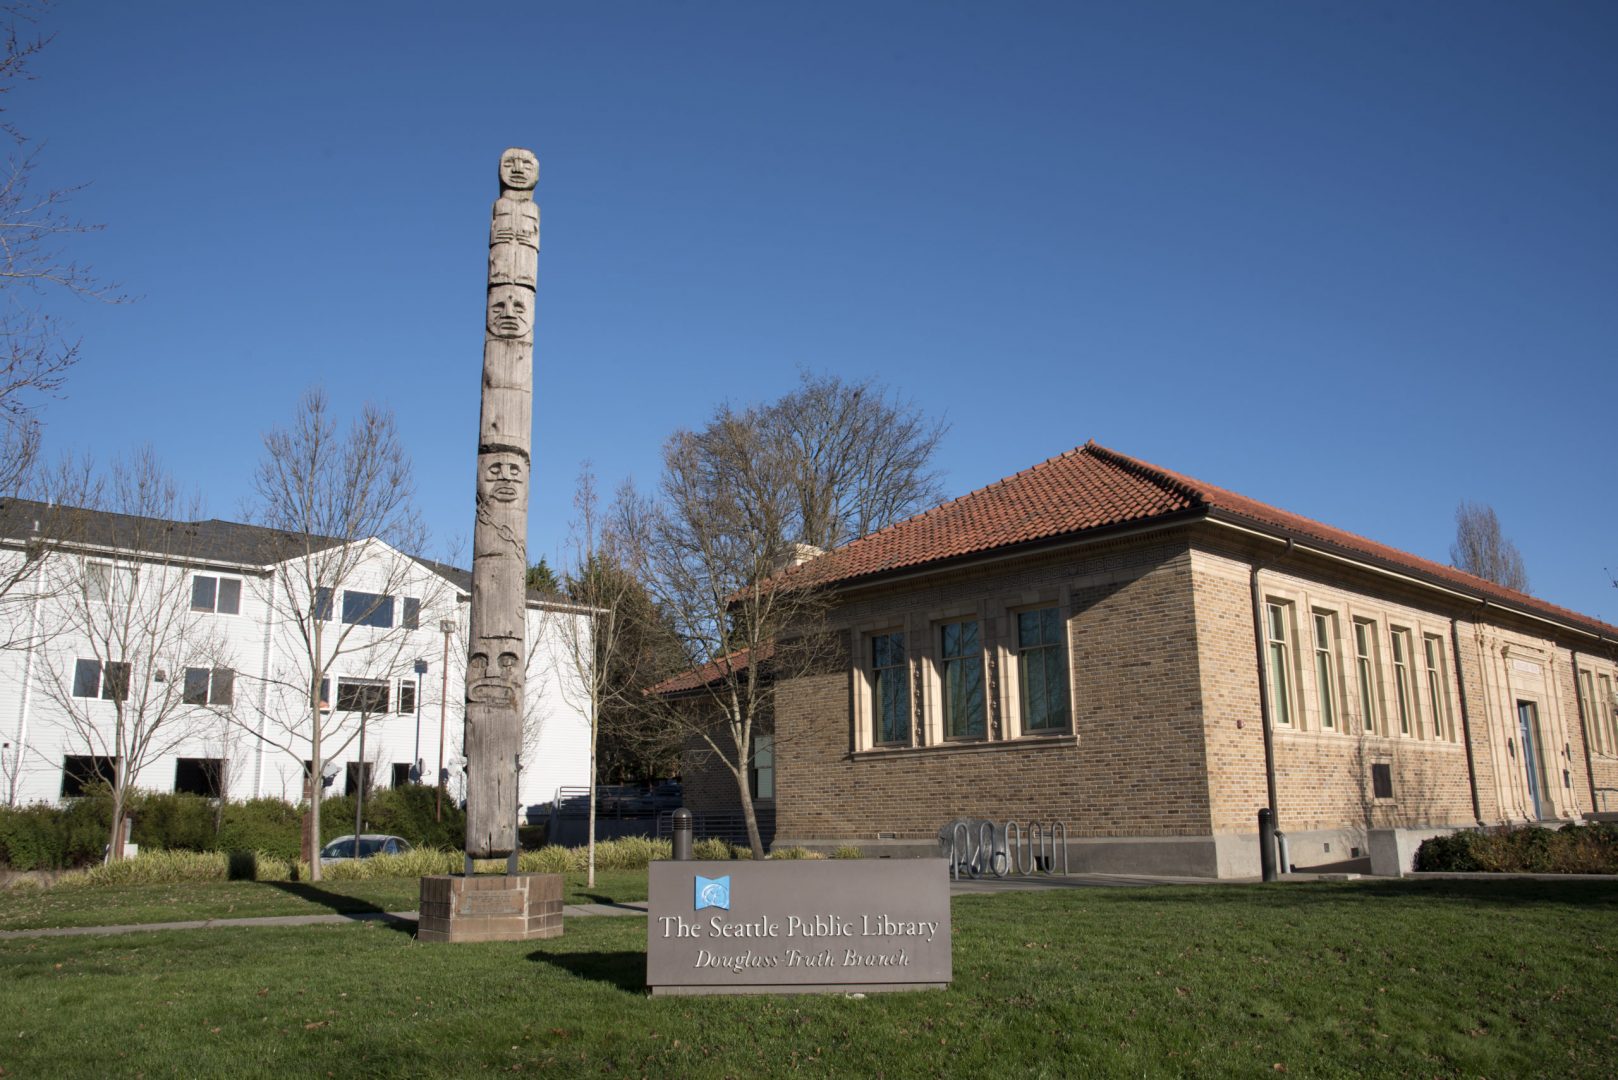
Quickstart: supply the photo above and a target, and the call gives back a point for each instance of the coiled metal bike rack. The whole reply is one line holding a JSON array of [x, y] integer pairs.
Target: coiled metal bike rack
[[976, 858], [1040, 845]]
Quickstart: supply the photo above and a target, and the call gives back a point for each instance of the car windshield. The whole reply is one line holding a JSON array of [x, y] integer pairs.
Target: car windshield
[[344, 848]]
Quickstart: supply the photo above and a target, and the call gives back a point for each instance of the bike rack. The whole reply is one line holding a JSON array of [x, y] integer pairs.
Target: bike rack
[[1029, 849], [1034, 851]]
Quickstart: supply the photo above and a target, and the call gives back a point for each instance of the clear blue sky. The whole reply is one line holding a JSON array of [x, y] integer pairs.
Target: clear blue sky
[[1359, 260]]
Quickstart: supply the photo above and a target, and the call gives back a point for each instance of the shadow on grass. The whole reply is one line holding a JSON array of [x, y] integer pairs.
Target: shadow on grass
[[1296, 894], [624, 970], [344, 905]]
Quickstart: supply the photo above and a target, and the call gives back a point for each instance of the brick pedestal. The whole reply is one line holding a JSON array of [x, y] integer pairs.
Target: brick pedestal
[[493, 908]]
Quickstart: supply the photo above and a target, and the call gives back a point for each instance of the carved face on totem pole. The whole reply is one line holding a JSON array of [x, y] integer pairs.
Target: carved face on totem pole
[[502, 476], [519, 170], [510, 312], [494, 673]]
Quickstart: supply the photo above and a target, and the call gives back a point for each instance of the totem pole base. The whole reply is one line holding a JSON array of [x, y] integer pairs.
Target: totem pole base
[[515, 907]]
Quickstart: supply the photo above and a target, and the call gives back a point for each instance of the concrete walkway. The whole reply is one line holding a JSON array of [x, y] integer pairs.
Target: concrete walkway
[[403, 919]]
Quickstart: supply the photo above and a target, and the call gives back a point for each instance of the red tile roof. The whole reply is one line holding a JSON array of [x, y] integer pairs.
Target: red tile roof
[[711, 672], [1092, 488]]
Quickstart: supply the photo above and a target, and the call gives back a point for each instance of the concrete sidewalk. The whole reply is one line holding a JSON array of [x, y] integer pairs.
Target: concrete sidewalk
[[407, 919]]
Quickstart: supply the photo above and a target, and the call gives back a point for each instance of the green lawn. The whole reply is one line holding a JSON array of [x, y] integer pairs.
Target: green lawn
[[27, 908], [1374, 978]]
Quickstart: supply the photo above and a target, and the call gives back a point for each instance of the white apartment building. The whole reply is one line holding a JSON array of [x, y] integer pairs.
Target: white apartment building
[[188, 652]]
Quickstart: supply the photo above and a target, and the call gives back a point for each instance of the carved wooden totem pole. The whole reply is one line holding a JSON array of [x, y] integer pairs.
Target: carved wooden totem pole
[[497, 654]]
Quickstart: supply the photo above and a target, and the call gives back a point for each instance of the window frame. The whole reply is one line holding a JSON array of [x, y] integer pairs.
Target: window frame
[[214, 777], [966, 663], [1368, 677], [352, 689], [218, 686], [375, 610], [1403, 691], [761, 765], [1053, 654], [900, 674], [1437, 672], [101, 767], [1328, 696], [1278, 661], [216, 601]]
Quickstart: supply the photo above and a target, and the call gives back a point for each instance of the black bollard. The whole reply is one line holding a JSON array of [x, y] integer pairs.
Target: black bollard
[[682, 835], [1266, 844]]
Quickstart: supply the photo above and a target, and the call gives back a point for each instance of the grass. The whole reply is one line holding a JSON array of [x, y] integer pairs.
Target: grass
[[1368, 978], [121, 905]]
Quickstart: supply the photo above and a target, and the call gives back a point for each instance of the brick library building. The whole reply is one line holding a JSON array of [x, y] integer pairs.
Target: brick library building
[[1148, 660]]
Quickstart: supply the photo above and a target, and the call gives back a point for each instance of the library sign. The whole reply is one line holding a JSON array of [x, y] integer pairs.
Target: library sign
[[798, 926]]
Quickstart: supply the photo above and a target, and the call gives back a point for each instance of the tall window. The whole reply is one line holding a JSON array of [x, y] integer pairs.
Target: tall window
[[1326, 666], [221, 595], [323, 602], [890, 689], [1438, 687], [1592, 716], [761, 771], [1369, 679], [961, 669], [1604, 703], [1402, 689], [1280, 673], [1040, 672], [412, 613], [205, 686], [407, 696]]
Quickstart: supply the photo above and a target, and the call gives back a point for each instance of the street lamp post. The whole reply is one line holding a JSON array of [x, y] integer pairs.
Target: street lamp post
[[447, 627]]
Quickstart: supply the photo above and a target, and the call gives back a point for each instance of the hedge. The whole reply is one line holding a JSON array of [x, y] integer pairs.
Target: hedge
[[1530, 849], [45, 837]]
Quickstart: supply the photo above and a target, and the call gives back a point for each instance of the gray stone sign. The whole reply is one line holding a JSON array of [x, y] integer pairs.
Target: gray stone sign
[[797, 927]]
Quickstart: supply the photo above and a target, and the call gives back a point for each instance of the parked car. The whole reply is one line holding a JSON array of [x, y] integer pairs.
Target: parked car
[[370, 844]]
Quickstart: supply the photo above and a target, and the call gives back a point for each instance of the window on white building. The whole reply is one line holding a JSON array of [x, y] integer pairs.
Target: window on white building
[[95, 679], [362, 695], [367, 609], [220, 595], [209, 686]]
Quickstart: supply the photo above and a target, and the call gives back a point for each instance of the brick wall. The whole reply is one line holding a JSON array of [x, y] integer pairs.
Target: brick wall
[[1132, 766]]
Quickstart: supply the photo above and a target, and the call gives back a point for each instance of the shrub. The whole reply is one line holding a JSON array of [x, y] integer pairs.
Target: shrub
[[44, 837], [172, 821], [1529, 849], [712, 847], [267, 825], [795, 853]]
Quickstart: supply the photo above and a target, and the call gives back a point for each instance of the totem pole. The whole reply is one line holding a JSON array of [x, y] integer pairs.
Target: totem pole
[[496, 657]]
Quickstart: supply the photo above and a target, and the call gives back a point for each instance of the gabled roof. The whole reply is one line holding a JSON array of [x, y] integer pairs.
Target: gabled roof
[[1093, 488], [210, 540]]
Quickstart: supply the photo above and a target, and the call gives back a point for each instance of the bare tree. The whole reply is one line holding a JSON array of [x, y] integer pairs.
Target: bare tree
[[1481, 549], [145, 672], [856, 458], [599, 639], [342, 556], [706, 550], [35, 355]]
